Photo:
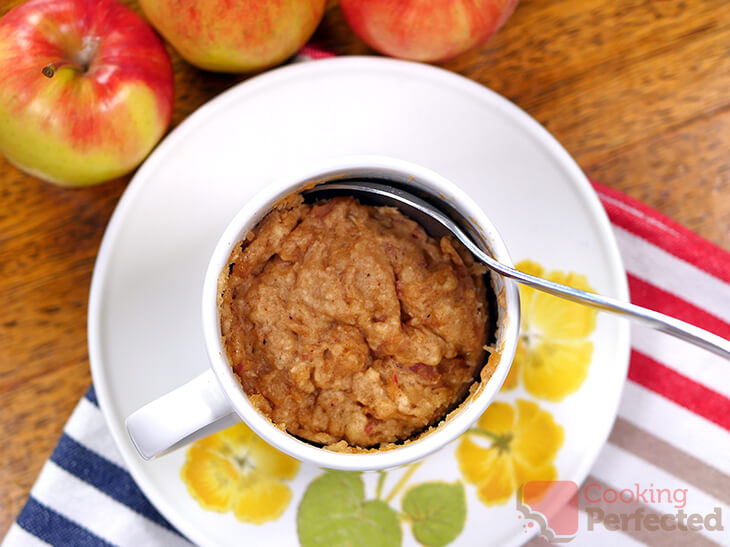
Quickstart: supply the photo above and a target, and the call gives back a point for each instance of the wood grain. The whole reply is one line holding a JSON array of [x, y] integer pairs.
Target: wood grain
[[637, 91], [33, 417]]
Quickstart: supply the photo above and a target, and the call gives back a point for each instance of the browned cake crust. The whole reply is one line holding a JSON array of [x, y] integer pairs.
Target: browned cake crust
[[348, 322]]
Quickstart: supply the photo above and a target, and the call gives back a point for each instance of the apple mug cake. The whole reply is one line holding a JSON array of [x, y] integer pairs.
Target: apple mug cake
[[348, 326]]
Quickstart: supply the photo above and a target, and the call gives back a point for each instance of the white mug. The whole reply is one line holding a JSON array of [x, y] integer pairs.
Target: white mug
[[215, 399]]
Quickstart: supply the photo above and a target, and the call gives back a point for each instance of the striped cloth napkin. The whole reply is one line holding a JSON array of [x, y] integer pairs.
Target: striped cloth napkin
[[669, 448]]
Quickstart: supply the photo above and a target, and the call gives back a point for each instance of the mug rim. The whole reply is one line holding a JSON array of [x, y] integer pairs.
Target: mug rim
[[458, 420]]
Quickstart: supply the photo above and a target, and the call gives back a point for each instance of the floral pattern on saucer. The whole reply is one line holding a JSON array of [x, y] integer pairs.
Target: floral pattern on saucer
[[554, 352], [234, 470]]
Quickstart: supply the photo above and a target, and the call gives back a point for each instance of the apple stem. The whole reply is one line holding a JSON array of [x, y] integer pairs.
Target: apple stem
[[49, 71]]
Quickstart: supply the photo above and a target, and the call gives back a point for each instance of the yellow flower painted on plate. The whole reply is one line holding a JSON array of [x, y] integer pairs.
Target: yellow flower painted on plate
[[553, 353], [521, 447], [235, 470]]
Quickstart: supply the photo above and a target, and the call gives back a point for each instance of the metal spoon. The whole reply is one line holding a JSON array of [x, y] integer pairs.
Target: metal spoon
[[438, 224]]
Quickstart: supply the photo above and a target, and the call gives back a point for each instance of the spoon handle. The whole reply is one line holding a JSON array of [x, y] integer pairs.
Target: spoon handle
[[659, 321]]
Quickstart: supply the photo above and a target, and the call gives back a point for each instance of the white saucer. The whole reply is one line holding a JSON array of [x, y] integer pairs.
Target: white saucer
[[144, 310]]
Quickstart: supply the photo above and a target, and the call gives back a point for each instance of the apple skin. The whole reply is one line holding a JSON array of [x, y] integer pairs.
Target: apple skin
[[235, 35], [426, 30], [86, 89]]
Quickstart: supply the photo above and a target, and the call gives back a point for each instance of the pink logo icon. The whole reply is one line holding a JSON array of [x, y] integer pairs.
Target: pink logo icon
[[551, 505]]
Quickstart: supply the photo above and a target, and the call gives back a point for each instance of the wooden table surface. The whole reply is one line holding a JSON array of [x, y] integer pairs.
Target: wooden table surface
[[637, 91]]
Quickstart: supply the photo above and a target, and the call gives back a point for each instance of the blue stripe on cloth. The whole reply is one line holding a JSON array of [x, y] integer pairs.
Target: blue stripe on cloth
[[49, 526], [105, 476], [91, 395]]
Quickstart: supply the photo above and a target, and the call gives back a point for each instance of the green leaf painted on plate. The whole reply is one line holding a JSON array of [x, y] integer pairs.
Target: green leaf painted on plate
[[437, 511], [333, 512]]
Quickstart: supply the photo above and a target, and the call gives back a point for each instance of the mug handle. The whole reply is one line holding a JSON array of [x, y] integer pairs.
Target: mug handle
[[192, 411]]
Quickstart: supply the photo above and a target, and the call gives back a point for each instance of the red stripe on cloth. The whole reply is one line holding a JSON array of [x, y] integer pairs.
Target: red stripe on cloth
[[660, 230], [313, 52], [676, 387], [647, 295]]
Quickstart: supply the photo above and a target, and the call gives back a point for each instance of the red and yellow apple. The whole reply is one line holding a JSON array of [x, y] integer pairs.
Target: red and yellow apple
[[86, 89], [235, 35], [426, 30]]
